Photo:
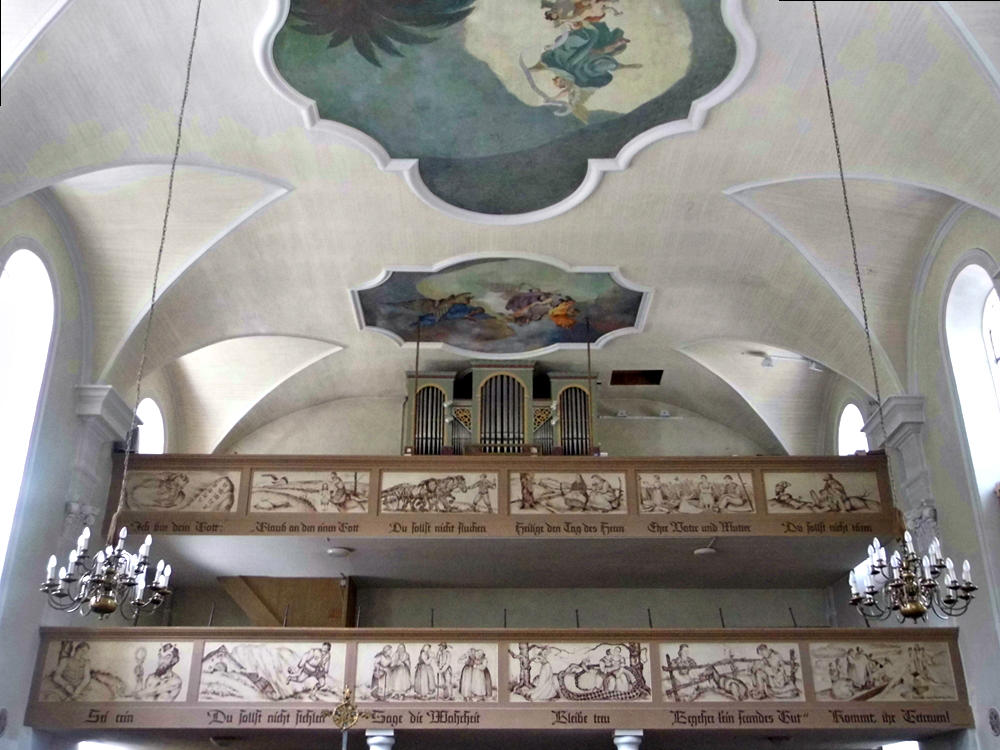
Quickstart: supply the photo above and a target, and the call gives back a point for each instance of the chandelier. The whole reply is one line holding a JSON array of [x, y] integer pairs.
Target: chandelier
[[909, 584], [114, 579]]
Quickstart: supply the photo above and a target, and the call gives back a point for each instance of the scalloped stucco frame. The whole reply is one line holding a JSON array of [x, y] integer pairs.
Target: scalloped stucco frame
[[612, 271], [746, 53]]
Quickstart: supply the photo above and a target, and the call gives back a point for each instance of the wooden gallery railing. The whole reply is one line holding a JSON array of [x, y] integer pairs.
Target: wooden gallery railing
[[507, 496], [887, 683]]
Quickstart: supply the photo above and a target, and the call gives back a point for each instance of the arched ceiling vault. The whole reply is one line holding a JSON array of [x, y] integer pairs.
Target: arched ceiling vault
[[918, 114]]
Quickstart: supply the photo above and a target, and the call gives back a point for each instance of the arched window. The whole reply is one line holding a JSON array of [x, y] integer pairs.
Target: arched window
[[850, 431], [972, 325], [971, 329], [27, 312], [151, 433]]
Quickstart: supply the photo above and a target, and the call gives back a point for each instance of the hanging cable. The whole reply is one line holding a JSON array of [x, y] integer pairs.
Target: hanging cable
[[156, 271], [854, 245]]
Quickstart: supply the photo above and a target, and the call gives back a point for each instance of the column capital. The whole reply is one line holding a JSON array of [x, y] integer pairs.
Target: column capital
[[627, 739], [903, 414], [104, 408], [383, 739]]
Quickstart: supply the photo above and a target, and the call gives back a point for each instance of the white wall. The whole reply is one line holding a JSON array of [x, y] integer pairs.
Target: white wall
[[684, 434], [350, 426]]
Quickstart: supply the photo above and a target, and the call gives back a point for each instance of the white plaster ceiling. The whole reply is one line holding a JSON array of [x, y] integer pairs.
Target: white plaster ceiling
[[274, 221]]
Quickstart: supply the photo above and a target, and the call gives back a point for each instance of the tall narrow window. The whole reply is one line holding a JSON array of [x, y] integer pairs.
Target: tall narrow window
[[971, 328], [27, 310], [151, 432], [850, 432], [991, 337]]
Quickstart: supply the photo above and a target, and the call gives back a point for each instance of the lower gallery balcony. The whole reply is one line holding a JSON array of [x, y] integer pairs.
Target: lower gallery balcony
[[271, 687]]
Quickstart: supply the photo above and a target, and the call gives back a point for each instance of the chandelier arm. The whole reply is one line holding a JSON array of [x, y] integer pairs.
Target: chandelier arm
[[156, 276]]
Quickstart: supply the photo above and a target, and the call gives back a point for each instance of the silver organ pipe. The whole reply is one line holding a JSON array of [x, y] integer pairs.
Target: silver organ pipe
[[574, 416], [502, 415], [428, 428]]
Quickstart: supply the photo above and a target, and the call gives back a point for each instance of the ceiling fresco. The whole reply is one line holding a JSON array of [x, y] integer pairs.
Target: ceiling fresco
[[504, 101], [502, 307]]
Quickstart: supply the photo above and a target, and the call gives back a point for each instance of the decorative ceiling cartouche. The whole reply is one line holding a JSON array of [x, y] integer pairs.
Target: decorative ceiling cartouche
[[509, 110], [502, 308]]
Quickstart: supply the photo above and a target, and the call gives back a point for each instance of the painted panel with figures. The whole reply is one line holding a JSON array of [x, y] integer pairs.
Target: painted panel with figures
[[202, 491], [340, 491], [882, 671], [427, 672], [822, 492], [420, 492], [693, 492], [570, 672], [734, 672], [96, 671], [273, 671], [567, 492]]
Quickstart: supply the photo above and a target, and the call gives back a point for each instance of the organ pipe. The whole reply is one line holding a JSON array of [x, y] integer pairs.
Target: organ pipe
[[429, 424], [574, 415]]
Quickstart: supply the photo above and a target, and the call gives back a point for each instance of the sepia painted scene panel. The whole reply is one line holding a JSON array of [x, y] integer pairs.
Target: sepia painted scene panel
[[568, 672], [882, 671], [693, 492], [740, 672], [567, 492], [341, 491], [822, 492], [99, 671], [426, 672], [205, 490], [273, 671], [420, 492]]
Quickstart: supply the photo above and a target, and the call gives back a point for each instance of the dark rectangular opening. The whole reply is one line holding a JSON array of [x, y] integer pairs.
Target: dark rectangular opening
[[636, 377]]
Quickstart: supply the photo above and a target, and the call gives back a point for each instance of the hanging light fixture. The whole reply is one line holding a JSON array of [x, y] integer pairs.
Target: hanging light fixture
[[907, 583], [113, 579]]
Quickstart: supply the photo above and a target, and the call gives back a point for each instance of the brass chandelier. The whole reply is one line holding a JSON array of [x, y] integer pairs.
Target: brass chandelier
[[910, 585], [114, 579]]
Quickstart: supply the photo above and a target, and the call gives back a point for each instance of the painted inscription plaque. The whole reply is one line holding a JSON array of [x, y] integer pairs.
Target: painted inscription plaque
[[882, 671], [692, 492], [733, 672], [421, 492], [278, 491], [567, 492], [280, 672], [822, 492], [100, 671], [427, 672], [204, 490], [571, 672]]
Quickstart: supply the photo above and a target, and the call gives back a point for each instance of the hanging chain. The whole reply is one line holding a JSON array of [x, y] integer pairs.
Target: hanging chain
[[854, 252], [156, 274]]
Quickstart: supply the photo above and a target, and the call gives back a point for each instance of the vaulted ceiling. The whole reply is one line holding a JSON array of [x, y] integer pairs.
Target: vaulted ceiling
[[736, 227]]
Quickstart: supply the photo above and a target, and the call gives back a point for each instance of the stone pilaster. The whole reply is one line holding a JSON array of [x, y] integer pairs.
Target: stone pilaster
[[105, 418], [903, 440], [627, 739]]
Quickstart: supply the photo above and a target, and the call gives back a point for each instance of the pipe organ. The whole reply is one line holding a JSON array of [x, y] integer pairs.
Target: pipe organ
[[499, 408]]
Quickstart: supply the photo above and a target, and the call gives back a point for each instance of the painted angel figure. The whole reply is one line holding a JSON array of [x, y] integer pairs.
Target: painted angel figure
[[584, 62]]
